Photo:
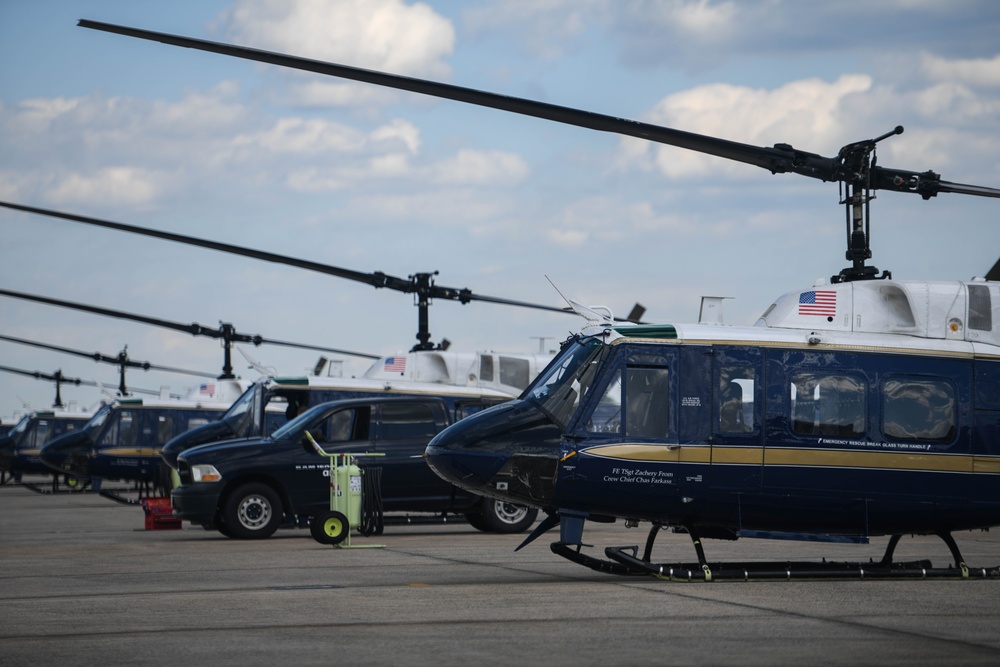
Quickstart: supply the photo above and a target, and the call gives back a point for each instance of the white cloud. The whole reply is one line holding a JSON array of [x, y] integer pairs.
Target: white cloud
[[122, 185], [974, 72], [805, 113], [471, 167], [389, 35]]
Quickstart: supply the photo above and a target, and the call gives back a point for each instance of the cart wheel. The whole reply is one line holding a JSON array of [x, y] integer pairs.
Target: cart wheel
[[330, 527]]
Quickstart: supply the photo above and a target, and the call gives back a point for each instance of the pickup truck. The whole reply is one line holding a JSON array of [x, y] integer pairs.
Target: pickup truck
[[248, 488]]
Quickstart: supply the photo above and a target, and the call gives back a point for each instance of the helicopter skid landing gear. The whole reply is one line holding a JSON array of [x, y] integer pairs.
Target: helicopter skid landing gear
[[625, 561]]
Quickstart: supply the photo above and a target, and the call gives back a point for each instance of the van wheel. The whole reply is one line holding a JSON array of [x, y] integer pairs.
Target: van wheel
[[252, 512], [499, 516]]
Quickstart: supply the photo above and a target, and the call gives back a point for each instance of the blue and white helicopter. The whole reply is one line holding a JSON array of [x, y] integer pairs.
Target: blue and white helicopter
[[859, 406]]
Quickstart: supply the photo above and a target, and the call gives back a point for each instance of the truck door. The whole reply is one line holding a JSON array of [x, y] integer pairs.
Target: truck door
[[401, 434], [340, 429]]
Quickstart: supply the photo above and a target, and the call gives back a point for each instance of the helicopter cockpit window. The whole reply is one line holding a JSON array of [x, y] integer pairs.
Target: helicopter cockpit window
[[565, 381], [121, 432], [919, 410], [827, 405], [647, 402], [607, 416], [736, 386], [240, 414]]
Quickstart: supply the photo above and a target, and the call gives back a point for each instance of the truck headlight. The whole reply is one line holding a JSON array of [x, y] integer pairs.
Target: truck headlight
[[205, 473]]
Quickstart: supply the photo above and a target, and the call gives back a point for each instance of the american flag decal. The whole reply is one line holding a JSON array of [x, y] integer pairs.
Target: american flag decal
[[818, 302], [206, 389], [395, 365]]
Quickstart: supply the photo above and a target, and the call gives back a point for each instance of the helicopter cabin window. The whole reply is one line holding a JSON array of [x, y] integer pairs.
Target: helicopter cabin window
[[486, 368], [515, 372], [407, 421], [164, 429], [921, 409], [736, 387], [827, 405], [980, 308], [645, 395]]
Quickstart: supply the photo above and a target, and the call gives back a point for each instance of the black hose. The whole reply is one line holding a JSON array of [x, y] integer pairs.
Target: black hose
[[372, 521]]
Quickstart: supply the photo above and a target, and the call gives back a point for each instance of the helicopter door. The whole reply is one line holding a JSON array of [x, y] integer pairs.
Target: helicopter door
[[737, 436], [629, 429]]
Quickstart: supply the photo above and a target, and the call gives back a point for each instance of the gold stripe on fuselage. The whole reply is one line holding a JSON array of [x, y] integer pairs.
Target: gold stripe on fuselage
[[796, 457]]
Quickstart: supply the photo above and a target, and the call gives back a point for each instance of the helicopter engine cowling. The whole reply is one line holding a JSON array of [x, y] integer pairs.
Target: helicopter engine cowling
[[509, 452]]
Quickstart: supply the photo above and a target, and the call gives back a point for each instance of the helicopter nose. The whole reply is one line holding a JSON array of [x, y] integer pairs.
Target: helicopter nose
[[61, 454], [509, 452]]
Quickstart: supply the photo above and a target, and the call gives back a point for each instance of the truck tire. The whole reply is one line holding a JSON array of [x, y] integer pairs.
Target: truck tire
[[252, 512], [500, 516]]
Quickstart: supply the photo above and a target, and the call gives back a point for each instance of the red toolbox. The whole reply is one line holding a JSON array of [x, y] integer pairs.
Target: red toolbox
[[160, 514]]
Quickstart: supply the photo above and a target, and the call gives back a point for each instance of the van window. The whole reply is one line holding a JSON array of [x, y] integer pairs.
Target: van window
[[827, 405], [921, 409]]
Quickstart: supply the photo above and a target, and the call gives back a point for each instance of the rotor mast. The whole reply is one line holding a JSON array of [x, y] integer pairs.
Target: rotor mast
[[858, 163]]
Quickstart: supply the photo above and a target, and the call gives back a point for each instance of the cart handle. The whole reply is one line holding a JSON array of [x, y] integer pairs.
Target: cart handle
[[323, 452]]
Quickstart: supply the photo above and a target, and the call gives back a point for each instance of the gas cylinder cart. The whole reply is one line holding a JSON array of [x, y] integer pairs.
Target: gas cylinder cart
[[334, 526]]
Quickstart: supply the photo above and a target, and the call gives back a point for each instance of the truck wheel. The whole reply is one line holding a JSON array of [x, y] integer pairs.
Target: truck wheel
[[252, 512], [503, 517], [330, 527]]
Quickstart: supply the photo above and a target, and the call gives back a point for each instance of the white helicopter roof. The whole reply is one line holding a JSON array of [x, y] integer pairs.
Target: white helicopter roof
[[946, 316]]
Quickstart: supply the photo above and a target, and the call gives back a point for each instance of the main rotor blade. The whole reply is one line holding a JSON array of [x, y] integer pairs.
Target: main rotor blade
[[224, 332], [780, 158], [73, 381], [376, 279], [116, 360]]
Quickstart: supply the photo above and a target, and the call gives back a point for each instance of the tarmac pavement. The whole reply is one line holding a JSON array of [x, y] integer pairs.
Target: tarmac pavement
[[82, 581]]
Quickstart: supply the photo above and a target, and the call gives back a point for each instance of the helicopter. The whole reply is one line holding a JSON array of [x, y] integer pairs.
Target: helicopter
[[859, 406], [91, 465], [124, 442], [21, 444]]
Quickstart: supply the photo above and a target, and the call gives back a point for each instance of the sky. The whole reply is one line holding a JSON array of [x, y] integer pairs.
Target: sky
[[363, 178]]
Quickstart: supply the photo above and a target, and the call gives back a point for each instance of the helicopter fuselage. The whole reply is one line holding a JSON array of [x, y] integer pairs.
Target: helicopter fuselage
[[748, 430]]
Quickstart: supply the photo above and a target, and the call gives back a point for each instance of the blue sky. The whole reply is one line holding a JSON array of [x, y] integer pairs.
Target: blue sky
[[371, 180]]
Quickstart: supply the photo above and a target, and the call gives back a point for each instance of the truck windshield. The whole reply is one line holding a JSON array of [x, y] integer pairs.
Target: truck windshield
[[563, 384]]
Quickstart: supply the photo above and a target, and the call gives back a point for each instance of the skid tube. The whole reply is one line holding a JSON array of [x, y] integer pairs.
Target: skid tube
[[625, 561]]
